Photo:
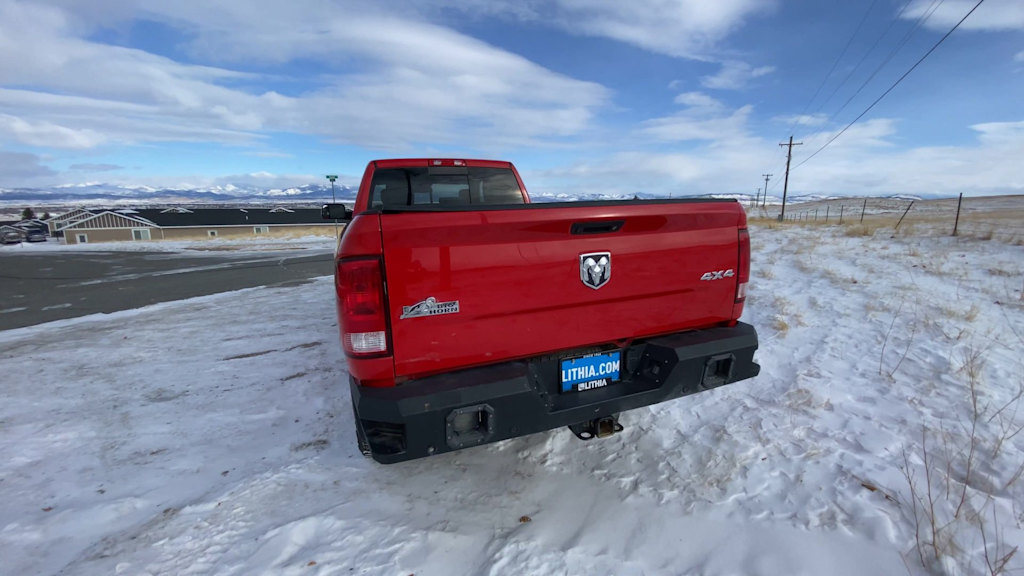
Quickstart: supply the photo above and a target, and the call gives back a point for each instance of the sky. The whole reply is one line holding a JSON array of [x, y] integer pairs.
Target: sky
[[669, 97]]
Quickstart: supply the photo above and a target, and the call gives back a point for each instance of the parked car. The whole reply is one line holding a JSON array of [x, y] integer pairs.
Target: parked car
[[12, 237], [470, 315], [35, 235]]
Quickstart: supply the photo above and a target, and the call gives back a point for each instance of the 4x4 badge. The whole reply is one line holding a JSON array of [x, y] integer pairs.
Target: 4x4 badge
[[596, 269], [717, 274]]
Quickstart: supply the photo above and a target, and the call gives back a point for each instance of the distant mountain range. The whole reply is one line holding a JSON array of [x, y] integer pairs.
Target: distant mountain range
[[115, 195], [103, 195]]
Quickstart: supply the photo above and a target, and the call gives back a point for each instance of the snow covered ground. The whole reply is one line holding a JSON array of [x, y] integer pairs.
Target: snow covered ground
[[214, 436]]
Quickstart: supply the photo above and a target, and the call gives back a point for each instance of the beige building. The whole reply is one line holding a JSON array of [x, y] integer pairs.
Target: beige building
[[58, 223], [192, 224]]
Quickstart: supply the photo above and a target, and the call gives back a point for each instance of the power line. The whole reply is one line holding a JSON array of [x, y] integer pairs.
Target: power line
[[892, 53], [894, 85], [864, 57], [824, 80], [834, 64]]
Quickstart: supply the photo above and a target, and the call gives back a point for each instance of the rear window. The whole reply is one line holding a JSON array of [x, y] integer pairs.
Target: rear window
[[456, 186]]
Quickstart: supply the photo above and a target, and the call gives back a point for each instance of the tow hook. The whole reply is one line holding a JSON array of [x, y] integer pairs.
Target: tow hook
[[597, 428]]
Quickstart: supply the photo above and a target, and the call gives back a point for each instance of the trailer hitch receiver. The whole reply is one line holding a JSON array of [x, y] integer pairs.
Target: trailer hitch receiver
[[597, 428]]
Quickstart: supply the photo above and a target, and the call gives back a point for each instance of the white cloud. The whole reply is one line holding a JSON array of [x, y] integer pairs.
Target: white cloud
[[735, 75], [682, 28], [818, 119], [989, 166], [262, 180], [1019, 56], [419, 82], [265, 180], [1000, 132], [703, 118], [48, 135], [864, 161], [690, 125], [697, 100], [869, 134], [991, 15], [679, 28]]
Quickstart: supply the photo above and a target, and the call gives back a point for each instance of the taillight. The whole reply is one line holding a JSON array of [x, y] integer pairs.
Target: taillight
[[362, 308], [743, 273]]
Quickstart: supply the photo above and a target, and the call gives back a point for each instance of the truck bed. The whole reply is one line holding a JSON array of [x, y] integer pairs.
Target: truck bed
[[468, 286]]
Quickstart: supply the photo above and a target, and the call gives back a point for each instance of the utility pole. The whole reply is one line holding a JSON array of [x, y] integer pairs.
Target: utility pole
[[789, 157], [766, 177]]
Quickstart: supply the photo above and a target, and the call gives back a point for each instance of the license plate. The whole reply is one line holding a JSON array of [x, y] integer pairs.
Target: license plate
[[589, 372]]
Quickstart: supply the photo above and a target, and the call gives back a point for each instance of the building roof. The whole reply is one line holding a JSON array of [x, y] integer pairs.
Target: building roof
[[108, 220], [24, 224], [77, 217], [168, 218], [74, 214], [186, 217]]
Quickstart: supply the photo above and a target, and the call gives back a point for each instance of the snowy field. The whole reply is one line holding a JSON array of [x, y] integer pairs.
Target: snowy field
[[214, 436]]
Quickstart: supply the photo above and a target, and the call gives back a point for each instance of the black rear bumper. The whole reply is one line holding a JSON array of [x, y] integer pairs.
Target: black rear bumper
[[482, 405]]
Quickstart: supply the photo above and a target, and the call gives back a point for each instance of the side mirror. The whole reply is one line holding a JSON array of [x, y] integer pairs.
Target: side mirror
[[335, 212]]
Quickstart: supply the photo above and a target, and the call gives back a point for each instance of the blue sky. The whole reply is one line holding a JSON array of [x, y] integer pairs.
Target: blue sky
[[666, 97]]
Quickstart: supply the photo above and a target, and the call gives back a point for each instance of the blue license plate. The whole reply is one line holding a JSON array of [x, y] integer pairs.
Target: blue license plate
[[589, 372]]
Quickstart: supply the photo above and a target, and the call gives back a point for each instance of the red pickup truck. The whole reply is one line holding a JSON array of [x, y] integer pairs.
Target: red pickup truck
[[470, 315]]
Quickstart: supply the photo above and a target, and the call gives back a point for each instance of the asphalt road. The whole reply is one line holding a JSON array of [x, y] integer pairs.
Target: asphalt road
[[43, 287]]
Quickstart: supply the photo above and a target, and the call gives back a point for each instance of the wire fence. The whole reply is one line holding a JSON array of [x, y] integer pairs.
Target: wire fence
[[989, 218]]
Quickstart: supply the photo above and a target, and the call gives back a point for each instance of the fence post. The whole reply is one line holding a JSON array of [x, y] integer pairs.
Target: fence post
[[904, 216], [957, 222], [841, 213], [862, 210], [826, 214], [815, 214]]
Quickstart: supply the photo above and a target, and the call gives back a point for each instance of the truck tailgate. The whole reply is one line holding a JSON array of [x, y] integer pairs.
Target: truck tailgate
[[515, 276]]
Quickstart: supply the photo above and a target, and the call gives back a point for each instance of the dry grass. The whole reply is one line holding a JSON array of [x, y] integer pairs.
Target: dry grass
[[998, 218], [780, 325], [859, 230], [786, 315], [838, 278], [954, 500]]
